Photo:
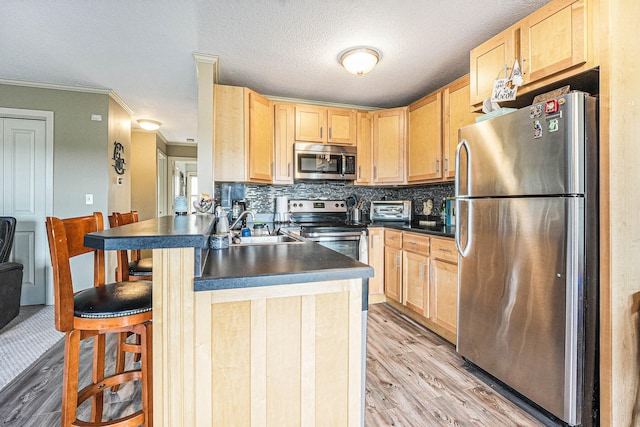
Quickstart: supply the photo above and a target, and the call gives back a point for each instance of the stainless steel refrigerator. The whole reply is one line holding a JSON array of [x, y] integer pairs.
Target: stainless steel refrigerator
[[527, 236]]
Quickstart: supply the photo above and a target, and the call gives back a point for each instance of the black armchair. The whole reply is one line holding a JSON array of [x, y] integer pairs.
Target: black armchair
[[10, 274]]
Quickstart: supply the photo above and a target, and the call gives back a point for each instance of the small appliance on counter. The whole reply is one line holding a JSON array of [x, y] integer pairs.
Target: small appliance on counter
[[282, 209], [391, 210]]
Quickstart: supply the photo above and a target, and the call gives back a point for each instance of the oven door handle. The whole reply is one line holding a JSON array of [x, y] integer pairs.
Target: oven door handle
[[322, 237]]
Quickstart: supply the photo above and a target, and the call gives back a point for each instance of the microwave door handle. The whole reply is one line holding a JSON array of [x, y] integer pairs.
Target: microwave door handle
[[344, 165]]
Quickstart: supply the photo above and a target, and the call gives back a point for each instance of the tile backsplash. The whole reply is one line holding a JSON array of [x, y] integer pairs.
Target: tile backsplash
[[261, 198]]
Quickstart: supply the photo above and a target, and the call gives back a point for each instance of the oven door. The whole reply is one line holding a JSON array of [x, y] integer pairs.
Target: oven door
[[348, 243]]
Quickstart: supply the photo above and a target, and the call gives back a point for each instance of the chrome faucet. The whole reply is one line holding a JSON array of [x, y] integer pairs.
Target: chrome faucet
[[244, 213]]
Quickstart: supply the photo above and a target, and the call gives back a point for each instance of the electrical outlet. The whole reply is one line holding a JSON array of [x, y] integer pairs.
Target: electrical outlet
[[88, 199]]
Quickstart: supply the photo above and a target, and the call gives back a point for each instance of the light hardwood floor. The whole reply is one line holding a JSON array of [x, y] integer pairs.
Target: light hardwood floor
[[414, 378]]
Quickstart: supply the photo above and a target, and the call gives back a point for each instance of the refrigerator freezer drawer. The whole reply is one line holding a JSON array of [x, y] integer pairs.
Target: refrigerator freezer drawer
[[520, 281]]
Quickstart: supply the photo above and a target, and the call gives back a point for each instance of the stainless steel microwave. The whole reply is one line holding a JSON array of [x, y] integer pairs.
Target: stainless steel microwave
[[324, 161]]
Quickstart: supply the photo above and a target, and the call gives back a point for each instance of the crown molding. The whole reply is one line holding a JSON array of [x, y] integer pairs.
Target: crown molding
[[208, 59], [70, 88], [120, 102], [321, 103]]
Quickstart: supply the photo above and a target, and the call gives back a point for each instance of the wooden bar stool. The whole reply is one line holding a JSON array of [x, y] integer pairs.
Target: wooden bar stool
[[119, 307], [138, 268]]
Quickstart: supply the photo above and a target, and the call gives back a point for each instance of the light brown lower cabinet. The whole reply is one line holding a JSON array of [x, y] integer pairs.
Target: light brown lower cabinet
[[376, 260], [421, 279], [393, 265]]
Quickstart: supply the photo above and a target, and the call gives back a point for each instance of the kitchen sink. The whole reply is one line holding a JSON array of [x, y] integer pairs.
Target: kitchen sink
[[265, 240]]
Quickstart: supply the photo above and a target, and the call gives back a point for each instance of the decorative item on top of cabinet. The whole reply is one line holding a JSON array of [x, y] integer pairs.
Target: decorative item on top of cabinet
[[284, 138], [243, 135], [389, 135], [376, 260], [364, 146], [553, 43], [393, 264], [325, 125], [424, 151], [455, 115]]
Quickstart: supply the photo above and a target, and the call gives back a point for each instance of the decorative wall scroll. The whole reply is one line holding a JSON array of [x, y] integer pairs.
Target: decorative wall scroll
[[118, 152]]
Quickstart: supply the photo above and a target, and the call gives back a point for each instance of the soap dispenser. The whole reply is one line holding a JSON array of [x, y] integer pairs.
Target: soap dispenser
[[222, 226]]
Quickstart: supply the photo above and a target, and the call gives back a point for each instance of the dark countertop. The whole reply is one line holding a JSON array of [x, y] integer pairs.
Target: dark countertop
[[436, 230], [280, 264], [238, 266], [180, 231]]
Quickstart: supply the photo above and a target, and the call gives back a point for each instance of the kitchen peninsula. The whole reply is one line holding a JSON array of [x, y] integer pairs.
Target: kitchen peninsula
[[268, 334]]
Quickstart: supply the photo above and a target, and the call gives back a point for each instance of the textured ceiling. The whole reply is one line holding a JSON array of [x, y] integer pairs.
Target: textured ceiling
[[142, 49]]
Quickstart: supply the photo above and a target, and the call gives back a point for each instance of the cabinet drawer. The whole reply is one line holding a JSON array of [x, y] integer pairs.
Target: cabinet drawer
[[393, 238], [415, 243], [444, 249]]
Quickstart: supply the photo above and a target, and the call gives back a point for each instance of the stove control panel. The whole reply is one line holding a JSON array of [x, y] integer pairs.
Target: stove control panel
[[320, 206]]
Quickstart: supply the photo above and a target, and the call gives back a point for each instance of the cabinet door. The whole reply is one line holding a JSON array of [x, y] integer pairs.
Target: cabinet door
[[342, 126], [284, 139], [490, 61], [456, 114], [389, 146], [444, 294], [364, 148], [415, 282], [260, 138], [393, 273], [376, 260], [424, 158], [311, 124], [553, 39]]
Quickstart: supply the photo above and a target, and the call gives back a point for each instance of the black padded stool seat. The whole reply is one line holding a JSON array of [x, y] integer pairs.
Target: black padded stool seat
[[113, 300], [141, 267]]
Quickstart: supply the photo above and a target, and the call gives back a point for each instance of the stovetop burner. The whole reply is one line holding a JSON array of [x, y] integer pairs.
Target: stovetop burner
[[328, 216]]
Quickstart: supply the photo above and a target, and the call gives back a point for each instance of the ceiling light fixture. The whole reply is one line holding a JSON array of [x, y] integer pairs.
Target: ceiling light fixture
[[149, 124], [359, 61]]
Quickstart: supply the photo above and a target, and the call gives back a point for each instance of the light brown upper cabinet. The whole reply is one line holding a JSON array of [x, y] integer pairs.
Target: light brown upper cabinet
[[283, 145], [389, 134], [424, 153], [243, 135], [364, 145], [555, 42], [325, 125], [455, 115], [553, 39]]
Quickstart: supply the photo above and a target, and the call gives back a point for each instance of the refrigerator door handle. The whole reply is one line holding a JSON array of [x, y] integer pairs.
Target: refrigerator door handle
[[462, 144], [464, 221]]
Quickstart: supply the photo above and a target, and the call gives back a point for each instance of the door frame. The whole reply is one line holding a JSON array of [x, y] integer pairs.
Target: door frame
[[171, 166], [47, 116]]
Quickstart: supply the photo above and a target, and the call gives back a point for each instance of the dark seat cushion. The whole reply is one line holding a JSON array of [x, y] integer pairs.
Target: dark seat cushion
[[113, 300], [142, 267]]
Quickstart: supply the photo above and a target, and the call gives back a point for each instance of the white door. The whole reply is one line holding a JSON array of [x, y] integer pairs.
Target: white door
[[162, 184], [23, 183]]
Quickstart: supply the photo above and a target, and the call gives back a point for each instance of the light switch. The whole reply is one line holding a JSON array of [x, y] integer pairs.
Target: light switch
[[88, 199]]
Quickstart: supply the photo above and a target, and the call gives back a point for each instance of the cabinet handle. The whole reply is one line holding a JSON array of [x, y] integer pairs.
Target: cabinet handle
[[430, 273], [320, 132], [288, 169], [522, 65], [375, 172], [330, 133], [397, 261], [422, 270], [371, 240], [446, 250], [359, 172], [445, 164], [437, 165]]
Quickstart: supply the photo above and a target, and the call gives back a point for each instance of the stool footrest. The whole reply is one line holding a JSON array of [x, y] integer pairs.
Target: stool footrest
[[132, 420], [102, 386]]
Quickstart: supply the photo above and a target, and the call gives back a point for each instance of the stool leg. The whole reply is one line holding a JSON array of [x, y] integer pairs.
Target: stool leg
[[120, 358], [146, 353], [97, 401], [70, 377]]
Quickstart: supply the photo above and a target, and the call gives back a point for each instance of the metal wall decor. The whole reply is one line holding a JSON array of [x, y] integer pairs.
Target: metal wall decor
[[118, 152]]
